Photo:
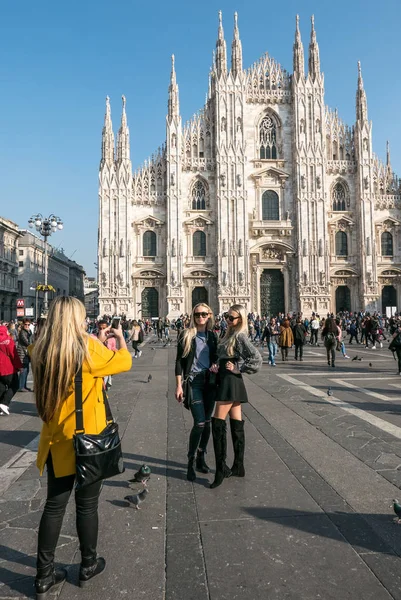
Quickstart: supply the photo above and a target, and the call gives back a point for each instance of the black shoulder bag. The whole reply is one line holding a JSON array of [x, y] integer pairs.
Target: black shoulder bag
[[98, 456]]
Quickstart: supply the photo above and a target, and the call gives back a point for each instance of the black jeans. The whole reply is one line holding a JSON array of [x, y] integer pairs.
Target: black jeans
[[313, 336], [9, 385], [299, 349], [202, 406], [58, 493], [331, 353], [398, 353]]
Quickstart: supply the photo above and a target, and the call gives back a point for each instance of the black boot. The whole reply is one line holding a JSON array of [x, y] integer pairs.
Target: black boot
[[238, 437], [219, 433], [45, 585], [87, 573], [201, 465], [191, 475]]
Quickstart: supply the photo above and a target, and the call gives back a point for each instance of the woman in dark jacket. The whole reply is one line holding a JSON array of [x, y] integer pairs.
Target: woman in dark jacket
[[330, 333], [299, 333], [196, 360]]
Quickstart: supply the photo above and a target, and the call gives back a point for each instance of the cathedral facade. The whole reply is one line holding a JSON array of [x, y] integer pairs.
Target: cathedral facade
[[264, 198]]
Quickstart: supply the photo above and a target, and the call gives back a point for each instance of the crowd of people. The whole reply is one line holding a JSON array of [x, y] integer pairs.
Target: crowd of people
[[213, 352]]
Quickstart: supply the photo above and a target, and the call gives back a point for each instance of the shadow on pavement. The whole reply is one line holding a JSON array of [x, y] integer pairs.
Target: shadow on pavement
[[349, 527]]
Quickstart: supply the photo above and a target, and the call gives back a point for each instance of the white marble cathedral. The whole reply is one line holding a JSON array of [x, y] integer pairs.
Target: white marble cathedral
[[265, 198]]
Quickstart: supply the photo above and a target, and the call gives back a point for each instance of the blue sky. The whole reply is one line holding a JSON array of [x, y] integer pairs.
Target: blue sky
[[60, 59]]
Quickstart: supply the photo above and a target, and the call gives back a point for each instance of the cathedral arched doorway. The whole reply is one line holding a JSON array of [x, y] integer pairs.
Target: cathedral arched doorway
[[271, 292], [199, 294], [150, 303], [343, 299], [389, 297]]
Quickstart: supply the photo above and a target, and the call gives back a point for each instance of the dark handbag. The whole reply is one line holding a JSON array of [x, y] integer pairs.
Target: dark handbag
[[99, 455]]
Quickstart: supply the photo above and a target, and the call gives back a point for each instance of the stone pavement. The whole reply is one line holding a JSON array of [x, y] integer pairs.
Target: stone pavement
[[312, 519]]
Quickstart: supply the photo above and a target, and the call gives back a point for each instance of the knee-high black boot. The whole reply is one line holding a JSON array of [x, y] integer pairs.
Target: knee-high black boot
[[219, 433], [238, 437]]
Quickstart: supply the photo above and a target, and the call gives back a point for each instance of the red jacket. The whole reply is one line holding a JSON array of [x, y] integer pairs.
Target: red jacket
[[9, 360]]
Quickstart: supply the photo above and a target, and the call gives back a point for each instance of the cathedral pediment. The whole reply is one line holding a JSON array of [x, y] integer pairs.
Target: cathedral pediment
[[341, 223], [270, 175], [198, 221], [150, 221], [387, 224]]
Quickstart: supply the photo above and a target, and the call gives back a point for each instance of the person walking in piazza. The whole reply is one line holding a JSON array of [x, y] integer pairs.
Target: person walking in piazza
[[25, 338], [314, 329], [10, 364], [286, 339], [299, 333], [395, 345], [330, 334], [236, 355], [61, 349], [196, 359], [136, 338]]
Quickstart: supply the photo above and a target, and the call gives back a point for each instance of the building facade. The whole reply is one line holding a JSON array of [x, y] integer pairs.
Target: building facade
[[265, 198], [9, 235], [91, 299], [64, 275]]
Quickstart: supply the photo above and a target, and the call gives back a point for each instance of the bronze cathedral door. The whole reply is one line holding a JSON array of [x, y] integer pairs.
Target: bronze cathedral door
[[271, 292]]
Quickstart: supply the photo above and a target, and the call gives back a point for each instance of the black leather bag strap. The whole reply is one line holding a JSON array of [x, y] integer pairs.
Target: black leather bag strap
[[109, 416], [79, 418]]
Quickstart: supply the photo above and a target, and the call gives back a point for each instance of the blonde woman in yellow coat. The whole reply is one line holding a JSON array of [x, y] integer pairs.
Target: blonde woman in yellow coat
[[61, 348]]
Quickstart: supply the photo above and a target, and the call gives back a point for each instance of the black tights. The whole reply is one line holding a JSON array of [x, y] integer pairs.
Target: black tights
[[58, 493]]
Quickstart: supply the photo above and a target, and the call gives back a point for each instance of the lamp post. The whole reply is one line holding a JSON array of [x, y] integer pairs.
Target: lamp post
[[45, 226]]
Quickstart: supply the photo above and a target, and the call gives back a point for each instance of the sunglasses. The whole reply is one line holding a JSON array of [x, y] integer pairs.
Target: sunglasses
[[202, 314], [231, 318]]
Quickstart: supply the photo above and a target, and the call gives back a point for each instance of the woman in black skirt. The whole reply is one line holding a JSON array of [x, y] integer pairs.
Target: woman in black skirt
[[196, 357], [236, 356]]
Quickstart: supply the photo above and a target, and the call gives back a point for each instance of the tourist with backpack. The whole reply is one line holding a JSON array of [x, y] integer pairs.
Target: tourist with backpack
[[330, 335]]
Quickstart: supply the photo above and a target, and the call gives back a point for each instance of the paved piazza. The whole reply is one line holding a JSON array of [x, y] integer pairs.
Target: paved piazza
[[311, 520]]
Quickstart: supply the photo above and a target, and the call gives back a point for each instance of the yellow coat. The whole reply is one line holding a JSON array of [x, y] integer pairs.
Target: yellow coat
[[56, 436]]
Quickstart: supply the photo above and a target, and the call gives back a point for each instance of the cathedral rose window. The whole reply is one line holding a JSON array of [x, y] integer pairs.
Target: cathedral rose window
[[198, 196], [267, 139], [339, 197]]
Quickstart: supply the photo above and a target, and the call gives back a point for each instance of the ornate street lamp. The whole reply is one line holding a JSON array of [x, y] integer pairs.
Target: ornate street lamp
[[45, 226]]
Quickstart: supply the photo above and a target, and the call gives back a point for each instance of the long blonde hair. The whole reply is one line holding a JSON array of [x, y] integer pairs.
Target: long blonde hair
[[189, 334], [59, 351], [231, 334]]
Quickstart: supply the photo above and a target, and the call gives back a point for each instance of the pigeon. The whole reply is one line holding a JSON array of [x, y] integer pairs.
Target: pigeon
[[141, 476], [355, 357], [360, 359], [370, 365], [329, 392], [137, 499], [397, 510], [149, 378]]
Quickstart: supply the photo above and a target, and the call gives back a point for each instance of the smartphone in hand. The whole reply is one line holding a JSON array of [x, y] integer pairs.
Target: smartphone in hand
[[115, 323]]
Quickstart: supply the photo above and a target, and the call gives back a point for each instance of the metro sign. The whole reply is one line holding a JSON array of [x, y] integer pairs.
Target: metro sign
[[20, 303]]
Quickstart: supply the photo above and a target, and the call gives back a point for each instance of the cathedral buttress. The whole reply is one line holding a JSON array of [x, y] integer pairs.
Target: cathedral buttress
[[229, 94], [309, 161], [174, 253], [369, 291]]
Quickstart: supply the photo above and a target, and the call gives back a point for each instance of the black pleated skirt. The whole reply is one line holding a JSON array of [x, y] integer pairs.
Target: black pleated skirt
[[231, 386]]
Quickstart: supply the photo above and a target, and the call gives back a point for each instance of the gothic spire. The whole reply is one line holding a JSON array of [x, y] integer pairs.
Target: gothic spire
[[388, 161], [173, 99], [236, 50], [221, 49], [361, 101], [107, 136], [314, 59], [123, 147], [299, 62]]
